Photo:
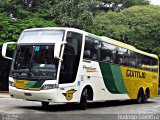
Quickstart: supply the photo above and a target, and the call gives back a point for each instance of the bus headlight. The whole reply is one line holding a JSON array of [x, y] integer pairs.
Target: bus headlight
[[49, 86], [12, 84]]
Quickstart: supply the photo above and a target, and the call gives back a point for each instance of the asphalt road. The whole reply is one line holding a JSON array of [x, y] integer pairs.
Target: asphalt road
[[13, 109]]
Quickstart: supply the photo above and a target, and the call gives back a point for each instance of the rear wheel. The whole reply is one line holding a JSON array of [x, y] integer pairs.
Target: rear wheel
[[45, 104], [146, 96], [140, 96], [83, 101]]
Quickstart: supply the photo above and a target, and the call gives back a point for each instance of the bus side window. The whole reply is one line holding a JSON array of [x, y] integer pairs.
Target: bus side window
[[139, 60], [91, 49], [154, 64], [122, 56], [108, 52], [132, 58], [145, 62], [87, 48], [87, 54]]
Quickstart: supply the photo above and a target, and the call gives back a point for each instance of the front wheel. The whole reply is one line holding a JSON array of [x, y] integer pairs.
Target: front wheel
[[83, 101], [45, 104]]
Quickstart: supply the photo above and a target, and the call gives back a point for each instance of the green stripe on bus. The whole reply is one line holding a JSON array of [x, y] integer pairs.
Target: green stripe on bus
[[30, 84], [38, 84], [113, 78], [33, 84], [108, 77], [118, 79]]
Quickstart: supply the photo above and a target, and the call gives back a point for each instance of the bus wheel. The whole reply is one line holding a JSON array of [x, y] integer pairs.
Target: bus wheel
[[146, 96], [83, 101], [140, 96], [45, 104]]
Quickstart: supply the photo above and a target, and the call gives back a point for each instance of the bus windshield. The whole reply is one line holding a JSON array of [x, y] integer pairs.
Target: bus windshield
[[34, 62], [41, 36], [34, 57]]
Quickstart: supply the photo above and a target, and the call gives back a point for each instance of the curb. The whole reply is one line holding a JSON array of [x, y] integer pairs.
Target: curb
[[4, 95]]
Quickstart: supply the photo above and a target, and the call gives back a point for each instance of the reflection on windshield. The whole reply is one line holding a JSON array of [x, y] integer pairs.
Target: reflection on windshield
[[34, 62], [41, 36]]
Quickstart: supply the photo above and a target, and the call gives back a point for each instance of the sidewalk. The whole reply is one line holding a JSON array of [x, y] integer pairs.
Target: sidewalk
[[4, 95]]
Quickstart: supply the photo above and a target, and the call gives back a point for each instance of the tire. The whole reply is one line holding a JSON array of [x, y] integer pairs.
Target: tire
[[145, 97], [140, 96], [83, 101], [45, 104]]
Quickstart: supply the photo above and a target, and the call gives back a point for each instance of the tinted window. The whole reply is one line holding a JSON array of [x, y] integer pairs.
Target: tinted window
[[147, 63], [71, 57], [122, 56], [108, 52], [154, 64], [91, 49], [132, 58]]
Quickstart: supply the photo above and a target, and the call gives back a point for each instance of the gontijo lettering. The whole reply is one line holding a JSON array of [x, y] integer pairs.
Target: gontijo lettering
[[136, 74]]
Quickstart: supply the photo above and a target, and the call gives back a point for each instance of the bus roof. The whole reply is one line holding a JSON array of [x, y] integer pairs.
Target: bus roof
[[56, 28]]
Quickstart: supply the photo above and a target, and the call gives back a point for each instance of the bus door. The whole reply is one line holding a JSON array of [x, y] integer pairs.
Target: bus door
[[68, 85]]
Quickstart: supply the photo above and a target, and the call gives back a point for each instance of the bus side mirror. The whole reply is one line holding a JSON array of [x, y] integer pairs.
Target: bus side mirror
[[57, 49], [4, 49]]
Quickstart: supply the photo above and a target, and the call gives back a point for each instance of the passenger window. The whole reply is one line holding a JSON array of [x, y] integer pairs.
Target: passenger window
[[132, 58], [154, 64], [122, 57], [145, 63], [108, 52], [91, 49]]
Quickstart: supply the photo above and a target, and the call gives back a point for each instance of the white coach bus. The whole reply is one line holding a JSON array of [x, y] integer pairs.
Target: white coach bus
[[67, 65]]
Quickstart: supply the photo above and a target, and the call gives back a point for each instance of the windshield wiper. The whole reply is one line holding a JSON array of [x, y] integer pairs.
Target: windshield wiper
[[20, 71]]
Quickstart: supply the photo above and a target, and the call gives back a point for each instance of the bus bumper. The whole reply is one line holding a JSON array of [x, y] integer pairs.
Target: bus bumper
[[42, 95]]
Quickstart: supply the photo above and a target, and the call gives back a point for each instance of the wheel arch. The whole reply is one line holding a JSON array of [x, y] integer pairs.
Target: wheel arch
[[89, 91], [141, 88]]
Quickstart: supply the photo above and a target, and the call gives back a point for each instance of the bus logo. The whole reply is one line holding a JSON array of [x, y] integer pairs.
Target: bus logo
[[69, 94], [136, 74], [89, 69]]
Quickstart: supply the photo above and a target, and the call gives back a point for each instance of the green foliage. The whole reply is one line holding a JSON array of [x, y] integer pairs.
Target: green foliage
[[138, 26], [75, 13], [14, 8], [117, 5]]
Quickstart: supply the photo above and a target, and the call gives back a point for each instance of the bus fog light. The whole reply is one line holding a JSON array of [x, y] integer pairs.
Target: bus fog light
[[49, 86], [12, 84]]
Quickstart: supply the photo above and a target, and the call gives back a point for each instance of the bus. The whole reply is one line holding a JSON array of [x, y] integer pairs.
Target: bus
[[68, 65]]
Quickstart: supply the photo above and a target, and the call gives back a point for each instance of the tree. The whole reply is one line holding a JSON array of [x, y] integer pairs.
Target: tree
[[138, 26], [75, 13], [14, 8], [21, 9], [117, 5]]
